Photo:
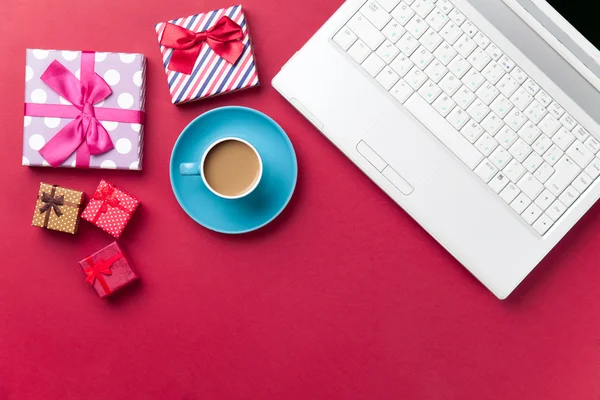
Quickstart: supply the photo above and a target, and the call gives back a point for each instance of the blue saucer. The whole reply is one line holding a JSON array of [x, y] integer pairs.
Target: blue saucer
[[271, 196]]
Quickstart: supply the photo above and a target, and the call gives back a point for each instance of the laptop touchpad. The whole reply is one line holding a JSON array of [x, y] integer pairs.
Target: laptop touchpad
[[406, 146]]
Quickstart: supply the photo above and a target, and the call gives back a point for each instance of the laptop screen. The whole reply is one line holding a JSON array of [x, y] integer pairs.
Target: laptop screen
[[579, 14]]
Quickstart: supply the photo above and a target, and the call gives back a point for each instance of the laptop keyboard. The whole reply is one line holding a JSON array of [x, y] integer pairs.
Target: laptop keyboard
[[478, 102]]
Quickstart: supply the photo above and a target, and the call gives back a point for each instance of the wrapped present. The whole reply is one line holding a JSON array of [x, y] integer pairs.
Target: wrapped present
[[110, 208], [207, 54], [57, 208], [84, 109], [108, 270]]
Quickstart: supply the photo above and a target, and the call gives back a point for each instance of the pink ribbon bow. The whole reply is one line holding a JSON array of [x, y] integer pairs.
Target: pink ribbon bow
[[85, 134]]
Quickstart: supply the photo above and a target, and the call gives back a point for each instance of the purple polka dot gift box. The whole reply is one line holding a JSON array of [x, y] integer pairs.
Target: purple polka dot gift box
[[84, 109]]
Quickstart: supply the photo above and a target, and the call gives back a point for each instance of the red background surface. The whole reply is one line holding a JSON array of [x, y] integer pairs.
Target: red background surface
[[343, 297]]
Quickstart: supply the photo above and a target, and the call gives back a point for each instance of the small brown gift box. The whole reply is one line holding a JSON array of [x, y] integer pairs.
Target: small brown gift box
[[57, 208]]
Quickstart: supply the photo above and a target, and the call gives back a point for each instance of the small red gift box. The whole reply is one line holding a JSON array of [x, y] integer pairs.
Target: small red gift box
[[108, 270], [110, 208]]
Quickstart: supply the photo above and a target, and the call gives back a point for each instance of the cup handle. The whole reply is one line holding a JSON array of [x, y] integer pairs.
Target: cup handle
[[189, 169]]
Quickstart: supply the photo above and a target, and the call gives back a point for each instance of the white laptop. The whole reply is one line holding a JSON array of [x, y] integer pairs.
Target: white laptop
[[479, 118]]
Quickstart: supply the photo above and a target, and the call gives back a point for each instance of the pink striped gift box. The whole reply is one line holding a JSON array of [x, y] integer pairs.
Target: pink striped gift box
[[211, 74]]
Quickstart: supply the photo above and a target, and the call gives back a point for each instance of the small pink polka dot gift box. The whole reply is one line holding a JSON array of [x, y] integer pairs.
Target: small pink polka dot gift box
[[84, 109], [110, 208]]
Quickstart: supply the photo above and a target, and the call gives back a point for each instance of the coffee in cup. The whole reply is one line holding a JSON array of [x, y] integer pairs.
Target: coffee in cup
[[231, 168]]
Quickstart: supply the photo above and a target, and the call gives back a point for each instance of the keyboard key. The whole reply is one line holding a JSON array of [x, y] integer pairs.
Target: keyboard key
[[486, 144], [444, 104], [567, 121], [401, 91], [507, 85], [500, 158], [481, 40], [445, 53], [506, 137], [458, 118], [402, 65], [520, 203], [556, 110], [457, 17], [556, 210], [436, 71], [519, 75], [450, 84], [416, 78], [549, 125], [464, 97], [465, 46], [469, 29], [366, 31], [478, 110], [569, 196], [531, 86], [531, 214], [431, 40], [423, 7], [509, 193], [430, 91], [416, 27], [437, 19], [359, 51], [582, 182], [389, 5], [501, 106], [580, 133], [521, 99], [529, 133], [445, 5], [563, 138], [542, 224], [520, 150], [514, 171], [387, 51], [486, 170], [543, 98], [533, 162], [421, 58], [473, 79], [530, 186], [441, 128], [553, 154], [403, 13], [506, 63], [592, 144], [373, 64], [487, 93], [378, 16], [542, 144], [545, 199], [393, 31], [492, 123], [407, 44], [493, 72], [459, 66], [535, 112], [472, 131], [498, 182], [515, 119], [494, 52], [580, 154], [566, 171], [345, 38], [593, 169], [451, 32], [479, 59], [387, 78]]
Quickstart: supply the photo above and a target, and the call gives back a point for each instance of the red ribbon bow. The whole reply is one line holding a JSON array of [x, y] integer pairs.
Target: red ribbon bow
[[107, 196], [224, 38], [102, 267]]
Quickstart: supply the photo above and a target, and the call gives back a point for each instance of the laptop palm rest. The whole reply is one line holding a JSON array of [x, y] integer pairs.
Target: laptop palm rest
[[405, 147]]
